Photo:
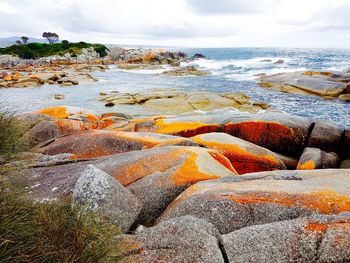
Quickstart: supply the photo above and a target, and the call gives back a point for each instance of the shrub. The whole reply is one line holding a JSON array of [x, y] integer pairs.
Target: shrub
[[101, 50], [53, 232], [12, 135]]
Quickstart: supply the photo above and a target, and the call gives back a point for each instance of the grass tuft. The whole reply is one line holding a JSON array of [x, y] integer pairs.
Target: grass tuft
[[52, 232]]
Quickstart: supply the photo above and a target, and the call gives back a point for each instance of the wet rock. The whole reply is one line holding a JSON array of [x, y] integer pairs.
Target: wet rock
[[189, 70], [260, 198], [198, 56], [96, 143], [312, 239], [313, 158], [316, 83], [244, 156], [325, 135], [344, 97], [184, 239], [59, 96], [280, 61], [98, 192]]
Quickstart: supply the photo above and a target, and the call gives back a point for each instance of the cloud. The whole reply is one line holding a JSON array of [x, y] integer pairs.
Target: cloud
[[183, 22], [229, 6]]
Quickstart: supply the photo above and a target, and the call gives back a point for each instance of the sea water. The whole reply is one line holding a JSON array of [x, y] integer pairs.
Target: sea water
[[232, 70]]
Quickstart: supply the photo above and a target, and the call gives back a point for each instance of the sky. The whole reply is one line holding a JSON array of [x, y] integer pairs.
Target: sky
[[190, 23]]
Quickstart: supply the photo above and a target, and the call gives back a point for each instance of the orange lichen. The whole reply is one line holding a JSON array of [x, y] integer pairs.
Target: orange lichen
[[189, 172], [272, 135], [185, 129], [325, 202], [243, 160], [309, 165], [60, 112], [148, 56], [223, 160], [8, 78], [323, 227]]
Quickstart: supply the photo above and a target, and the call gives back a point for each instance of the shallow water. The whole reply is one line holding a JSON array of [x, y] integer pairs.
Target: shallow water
[[233, 70]]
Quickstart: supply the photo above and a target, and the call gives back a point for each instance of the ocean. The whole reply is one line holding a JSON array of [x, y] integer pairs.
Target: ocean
[[232, 70]]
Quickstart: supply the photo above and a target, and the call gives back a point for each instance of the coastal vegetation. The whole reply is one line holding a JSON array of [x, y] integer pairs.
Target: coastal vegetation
[[43, 232], [38, 50]]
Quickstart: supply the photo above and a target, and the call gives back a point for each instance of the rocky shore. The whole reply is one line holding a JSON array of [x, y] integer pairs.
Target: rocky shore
[[67, 70], [321, 83], [220, 186]]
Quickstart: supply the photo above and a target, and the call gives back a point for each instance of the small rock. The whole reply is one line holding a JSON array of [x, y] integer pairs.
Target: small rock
[[345, 97], [59, 96]]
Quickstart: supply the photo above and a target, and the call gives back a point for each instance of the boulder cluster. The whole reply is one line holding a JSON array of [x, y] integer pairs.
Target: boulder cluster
[[322, 83], [216, 187]]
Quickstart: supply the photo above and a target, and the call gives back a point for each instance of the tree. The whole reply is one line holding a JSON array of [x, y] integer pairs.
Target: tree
[[51, 37], [18, 42], [65, 44], [24, 39]]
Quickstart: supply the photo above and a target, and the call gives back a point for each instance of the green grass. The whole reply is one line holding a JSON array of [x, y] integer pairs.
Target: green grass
[[54, 232], [38, 50], [12, 135]]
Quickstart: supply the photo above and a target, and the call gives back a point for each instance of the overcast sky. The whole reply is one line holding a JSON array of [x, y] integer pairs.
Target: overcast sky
[[197, 23]]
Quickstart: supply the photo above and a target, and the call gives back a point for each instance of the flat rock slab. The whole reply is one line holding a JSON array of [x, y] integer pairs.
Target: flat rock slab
[[96, 143], [169, 101], [317, 83], [265, 197], [184, 239], [245, 157], [317, 238]]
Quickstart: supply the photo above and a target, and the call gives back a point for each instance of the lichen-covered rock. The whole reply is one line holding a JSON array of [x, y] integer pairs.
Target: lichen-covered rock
[[63, 112], [244, 156], [184, 239], [98, 192], [96, 143], [317, 238], [313, 158], [155, 176], [278, 132], [325, 135], [260, 198]]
